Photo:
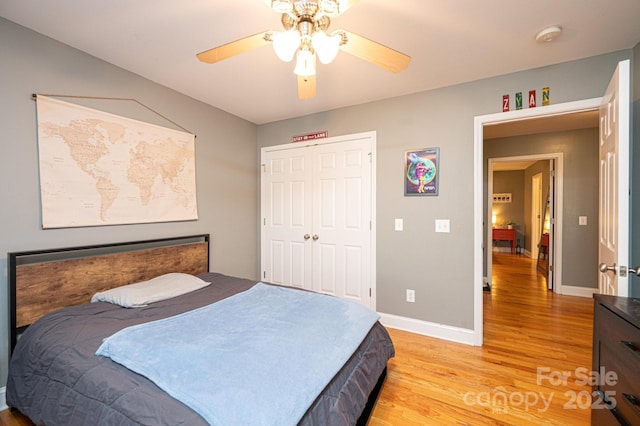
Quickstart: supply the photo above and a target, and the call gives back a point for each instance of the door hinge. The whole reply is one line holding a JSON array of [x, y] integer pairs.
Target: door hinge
[[369, 292], [370, 157], [264, 168], [370, 226], [264, 221], [264, 274]]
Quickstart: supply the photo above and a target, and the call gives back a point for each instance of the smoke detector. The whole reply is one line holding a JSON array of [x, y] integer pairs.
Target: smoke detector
[[549, 34]]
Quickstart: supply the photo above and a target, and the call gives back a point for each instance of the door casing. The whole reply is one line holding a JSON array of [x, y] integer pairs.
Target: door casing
[[558, 193], [478, 199]]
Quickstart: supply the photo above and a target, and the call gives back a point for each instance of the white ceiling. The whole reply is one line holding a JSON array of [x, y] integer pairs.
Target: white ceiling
[[449, 41]]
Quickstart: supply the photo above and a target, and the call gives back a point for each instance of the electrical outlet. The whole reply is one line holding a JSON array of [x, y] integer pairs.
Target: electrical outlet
[[442, 225], [411, 296]]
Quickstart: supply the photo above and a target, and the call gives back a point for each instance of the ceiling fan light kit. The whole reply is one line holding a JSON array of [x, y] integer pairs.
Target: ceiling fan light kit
[[305, 63], [281, 6], [305, 36], [326, 46], [285, 44]]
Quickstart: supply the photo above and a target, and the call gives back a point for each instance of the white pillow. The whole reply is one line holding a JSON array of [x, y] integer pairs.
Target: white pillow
[[154, 290]]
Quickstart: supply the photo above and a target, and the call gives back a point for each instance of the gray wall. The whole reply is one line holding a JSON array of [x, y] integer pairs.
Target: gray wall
[[580, 181], [225, 157], [438, 266]]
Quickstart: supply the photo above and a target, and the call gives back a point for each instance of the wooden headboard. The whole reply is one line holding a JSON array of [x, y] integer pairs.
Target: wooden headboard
[[42, 281]]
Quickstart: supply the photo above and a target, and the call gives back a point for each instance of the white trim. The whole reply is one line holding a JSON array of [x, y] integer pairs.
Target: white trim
[[425, 328], [478, 166], [558, 191], [501, 249], [374, 191], [624, 149], [3, 398], [570, 290]]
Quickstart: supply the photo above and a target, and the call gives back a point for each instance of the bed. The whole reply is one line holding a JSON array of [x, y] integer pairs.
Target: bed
[[55, 376]]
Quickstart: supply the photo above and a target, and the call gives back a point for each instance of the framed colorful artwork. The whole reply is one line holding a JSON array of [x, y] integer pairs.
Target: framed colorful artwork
[[421, 172]]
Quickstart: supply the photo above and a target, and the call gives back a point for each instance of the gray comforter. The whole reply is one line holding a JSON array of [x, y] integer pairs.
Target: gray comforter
[[55, 378]]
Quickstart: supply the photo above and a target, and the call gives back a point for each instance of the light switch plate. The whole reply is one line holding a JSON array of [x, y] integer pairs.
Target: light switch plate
[[411, 296], [582, 220], [399, 225], [442, 225]]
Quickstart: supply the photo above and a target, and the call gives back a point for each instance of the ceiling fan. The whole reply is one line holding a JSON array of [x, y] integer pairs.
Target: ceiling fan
[[305, 37]]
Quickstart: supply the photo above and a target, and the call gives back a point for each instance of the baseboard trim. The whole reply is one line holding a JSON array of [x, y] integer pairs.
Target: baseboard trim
[[3, 398], [569, 290], [440, 331], [501, 249]]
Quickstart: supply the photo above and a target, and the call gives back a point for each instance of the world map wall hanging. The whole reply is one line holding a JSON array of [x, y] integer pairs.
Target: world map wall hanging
[[98, 168]]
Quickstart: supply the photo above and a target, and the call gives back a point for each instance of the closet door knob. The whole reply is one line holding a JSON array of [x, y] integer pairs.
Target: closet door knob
[[315, 237], [307, 236]]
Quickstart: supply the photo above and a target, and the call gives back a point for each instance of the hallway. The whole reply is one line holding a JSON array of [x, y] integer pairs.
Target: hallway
[[545, 323]]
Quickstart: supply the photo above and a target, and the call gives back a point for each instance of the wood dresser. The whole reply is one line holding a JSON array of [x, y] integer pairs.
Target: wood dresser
[[616, 361]]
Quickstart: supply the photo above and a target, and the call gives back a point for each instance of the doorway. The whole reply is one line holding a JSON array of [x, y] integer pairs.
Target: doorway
[[551, 190], [482, 123]]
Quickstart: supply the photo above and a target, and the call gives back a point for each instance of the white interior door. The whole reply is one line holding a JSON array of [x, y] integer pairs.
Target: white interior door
[[342, 220], [287, 217], [613, 227], [551, 226], [317, 208]]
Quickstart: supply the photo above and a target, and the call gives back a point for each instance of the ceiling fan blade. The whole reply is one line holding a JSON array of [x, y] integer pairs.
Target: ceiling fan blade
[[375, 53], [306, 87], [234, 48]]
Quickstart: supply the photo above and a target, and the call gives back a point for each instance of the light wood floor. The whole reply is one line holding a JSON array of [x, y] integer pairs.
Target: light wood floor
[[526, 327], [435, 382]]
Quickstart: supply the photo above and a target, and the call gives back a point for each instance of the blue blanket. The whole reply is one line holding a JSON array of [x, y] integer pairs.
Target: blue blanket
[[260, 357]]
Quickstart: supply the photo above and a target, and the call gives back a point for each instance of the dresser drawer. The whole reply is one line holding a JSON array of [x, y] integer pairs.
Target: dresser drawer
[[603, 417], [616, 349], [625, 388], [620, 335]]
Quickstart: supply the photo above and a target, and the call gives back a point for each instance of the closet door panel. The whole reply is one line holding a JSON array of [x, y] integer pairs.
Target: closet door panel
[[287, 218], [342, 219], [317, 224]]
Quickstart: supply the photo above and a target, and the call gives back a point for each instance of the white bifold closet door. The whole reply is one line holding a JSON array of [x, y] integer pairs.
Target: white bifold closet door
[[317, 217]]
